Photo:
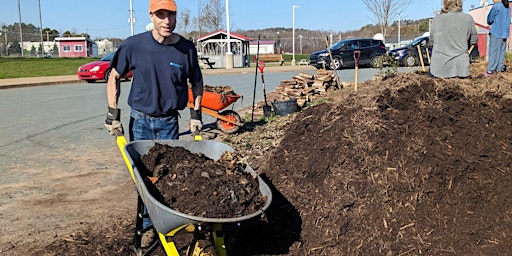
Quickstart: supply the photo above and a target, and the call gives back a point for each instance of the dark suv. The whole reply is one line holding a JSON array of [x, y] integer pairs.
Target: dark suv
[[370, 53]]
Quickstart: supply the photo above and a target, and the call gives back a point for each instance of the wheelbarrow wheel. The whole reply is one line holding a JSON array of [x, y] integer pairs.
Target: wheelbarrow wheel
[[227, 127]]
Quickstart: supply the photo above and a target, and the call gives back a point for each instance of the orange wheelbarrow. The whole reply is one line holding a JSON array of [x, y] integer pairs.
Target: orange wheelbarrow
[[228, 121]]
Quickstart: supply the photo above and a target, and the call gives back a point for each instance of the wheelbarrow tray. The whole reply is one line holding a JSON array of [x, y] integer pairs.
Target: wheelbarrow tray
[[213, 100], [166, 219]]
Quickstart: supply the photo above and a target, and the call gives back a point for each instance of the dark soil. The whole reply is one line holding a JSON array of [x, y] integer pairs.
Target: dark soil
[[183, 180], [408, 165]]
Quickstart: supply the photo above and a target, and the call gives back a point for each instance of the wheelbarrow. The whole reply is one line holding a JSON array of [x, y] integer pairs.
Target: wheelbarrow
[[167, 222], [228, 121]]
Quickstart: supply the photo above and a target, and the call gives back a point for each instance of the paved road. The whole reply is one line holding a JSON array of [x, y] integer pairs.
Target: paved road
[[33, 112]]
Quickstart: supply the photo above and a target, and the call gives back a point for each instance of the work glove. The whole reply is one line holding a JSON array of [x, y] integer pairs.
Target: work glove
[[113, 121], [196, 123]]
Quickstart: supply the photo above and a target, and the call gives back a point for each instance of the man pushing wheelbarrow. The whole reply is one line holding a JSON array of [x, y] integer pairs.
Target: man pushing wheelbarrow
[[163, 64]]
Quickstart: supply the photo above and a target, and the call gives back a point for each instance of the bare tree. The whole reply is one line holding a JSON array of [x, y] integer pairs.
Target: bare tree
[[211, 17], [184, 26], [385, 11]]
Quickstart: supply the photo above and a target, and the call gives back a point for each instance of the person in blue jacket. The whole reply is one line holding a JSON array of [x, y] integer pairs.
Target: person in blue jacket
[[499, 20]]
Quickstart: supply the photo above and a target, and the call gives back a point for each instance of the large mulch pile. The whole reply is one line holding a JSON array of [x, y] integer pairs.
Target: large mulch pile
[[408, 165]]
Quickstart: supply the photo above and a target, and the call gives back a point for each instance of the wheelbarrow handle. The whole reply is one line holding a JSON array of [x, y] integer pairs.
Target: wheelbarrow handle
[[121, 143], [197, 136]]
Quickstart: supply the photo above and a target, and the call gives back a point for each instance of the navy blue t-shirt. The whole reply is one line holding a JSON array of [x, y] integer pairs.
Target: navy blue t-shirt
[[160, 73]]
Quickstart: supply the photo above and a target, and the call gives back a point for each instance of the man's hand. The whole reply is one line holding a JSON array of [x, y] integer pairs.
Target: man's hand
[[113, 122], [196, 123]]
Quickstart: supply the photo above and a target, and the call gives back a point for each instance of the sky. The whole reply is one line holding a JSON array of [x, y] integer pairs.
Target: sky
[[109, 18]]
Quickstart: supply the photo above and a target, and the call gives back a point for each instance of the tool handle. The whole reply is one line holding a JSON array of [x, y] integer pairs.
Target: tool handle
[[356, 56], [471, 49], [261, 66], [262, 80]]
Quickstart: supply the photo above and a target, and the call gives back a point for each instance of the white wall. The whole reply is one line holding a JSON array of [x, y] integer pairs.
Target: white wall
[[264, 49]]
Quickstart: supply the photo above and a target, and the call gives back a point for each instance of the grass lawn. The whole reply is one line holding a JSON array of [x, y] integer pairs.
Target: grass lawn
[[36, 67]]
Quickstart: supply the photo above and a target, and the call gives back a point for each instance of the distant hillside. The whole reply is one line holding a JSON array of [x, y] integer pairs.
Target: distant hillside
[[313, 40]]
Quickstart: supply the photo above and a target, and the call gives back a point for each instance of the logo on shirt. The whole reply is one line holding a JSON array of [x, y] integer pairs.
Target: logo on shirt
[[175, 64]]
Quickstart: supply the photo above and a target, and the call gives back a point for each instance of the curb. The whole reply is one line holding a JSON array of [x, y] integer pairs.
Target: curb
[[70, 79], [30, 84]]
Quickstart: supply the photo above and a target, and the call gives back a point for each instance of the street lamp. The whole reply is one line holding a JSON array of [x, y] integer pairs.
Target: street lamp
[[293, 33], [229, 54]]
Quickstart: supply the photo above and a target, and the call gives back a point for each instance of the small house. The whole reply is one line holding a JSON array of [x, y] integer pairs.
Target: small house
[[77, 47], [265, 47]]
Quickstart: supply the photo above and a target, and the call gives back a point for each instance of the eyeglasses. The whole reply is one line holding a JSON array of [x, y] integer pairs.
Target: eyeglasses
[[162, 14]]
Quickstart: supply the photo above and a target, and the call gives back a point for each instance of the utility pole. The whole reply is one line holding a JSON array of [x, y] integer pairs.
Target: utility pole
[[293, 33], [399, 42], [300, 43], [131, 18], [21, 33], [41, 26], [6, 48]]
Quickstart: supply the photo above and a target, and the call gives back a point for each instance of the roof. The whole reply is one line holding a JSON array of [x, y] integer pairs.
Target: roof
[[221, 34], [74, 39], [480, 26]]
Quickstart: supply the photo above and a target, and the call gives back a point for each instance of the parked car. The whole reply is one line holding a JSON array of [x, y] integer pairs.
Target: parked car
[[98, 70], [370, 50], [304, 62], [408, 55]]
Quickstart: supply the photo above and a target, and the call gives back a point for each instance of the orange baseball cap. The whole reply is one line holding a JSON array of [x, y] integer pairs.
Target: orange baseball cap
[[155, 5]]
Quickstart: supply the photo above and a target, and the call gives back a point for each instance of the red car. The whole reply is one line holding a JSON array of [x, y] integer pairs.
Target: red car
[[98, 70]]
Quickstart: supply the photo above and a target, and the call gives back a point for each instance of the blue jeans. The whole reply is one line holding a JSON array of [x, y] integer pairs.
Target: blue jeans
[[146, 127], [497, 48]]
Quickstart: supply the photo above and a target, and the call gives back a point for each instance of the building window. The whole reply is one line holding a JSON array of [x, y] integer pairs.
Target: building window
[[66, 48], [78, 48]]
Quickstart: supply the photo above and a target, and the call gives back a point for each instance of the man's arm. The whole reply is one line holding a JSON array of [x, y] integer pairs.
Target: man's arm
[[473, 39], [113, 121], [113, 88], [197, 92], [195, 113]]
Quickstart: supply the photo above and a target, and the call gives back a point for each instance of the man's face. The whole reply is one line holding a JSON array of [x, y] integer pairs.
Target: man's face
[[164, 22]]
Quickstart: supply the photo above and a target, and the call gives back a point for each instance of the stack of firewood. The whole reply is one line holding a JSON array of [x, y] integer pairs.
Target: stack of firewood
[[306, 87]]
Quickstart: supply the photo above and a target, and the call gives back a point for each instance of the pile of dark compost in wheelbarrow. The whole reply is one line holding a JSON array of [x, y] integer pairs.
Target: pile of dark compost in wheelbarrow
[[196, 185]]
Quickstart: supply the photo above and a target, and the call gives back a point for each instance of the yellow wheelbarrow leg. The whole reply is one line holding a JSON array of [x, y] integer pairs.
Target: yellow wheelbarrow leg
[[169, 246], [219, 240]]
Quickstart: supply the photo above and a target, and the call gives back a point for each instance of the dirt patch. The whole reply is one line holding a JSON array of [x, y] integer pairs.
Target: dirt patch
[[408, 165]]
